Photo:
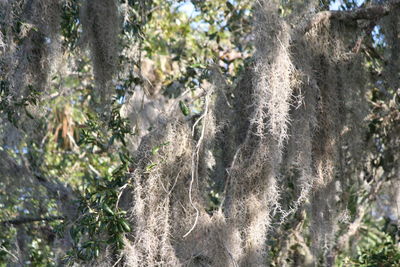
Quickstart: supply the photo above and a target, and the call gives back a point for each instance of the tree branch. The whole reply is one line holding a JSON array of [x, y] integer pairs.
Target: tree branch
[[57, 190], [366, 13], [22, 220], [9, 167]]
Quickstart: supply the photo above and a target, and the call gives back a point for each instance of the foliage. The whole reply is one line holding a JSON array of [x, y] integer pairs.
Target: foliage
[[376, 247], [233, 117]]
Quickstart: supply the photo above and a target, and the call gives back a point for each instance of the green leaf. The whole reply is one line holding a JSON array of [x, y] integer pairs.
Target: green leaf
[[200, 65], [107, 209], [87, 244], [150, 166], [155, 150], [96, 252], [125, 226], [184, 108]]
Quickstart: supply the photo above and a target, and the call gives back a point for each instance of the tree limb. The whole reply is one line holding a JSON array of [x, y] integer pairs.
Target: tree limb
[[9, 167], [365, 13], [22, 220], [64, 194]]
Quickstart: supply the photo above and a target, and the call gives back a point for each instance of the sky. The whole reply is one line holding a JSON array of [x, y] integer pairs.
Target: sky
[[335, 5], [188, 8]]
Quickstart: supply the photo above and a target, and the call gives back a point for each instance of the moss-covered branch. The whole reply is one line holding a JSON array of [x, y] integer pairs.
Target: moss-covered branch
[[366, 13]]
